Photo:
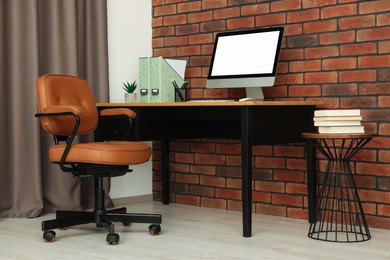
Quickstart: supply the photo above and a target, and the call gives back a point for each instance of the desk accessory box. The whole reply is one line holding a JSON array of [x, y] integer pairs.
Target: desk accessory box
[[156, 75]]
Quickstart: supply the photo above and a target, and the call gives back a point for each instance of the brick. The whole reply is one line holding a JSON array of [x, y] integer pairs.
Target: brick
[[271, 209], [292, 29], [212, 181], [200, 17], [295, 54], [286, 199], [213, 203], [339, 89], [211, 159], [178, 146], [201, 191], [187, 29], [383, 19], [270, 19], [288, 175], [269, 162], [186, 178], [272, 186], [321, 52], [289, 79], [373, 34], [384, 210], [213, 4], [382, 61], [289, 151], [228, 148], [384, 156], [384, 74], [179, 167], [304, 66], [164, 10], [337, 37], [213, 26], [216, 93], [374, 196], [233, 183], [359, 102], [234, 205], [320, 26], [261, 197], [384, 128], [296, 188], [184, 157], [239, 23], [201, 38], [378, 115], [188, 200], [384, 101], [234, 172], [175, 19], [240, 2], [233, 160], [320, 77], [285, 5], [157, 42], [297, 213], [189, 7], [202, 147], [384, 47], [367, 182], [372, 169], [176, 41], [275, 91], [303, 16], [254, 9], [357, 76], [199, 61], [358, 49], [357, 22], [378, 222], [384, 183], [163, 31], [304, 91], [302, 41], [228, 194], [165, 52], [156, 22], [339, 64], [296, 164], [338, 11], [189, 51], [373, 6], [227, 13], [317, 3]]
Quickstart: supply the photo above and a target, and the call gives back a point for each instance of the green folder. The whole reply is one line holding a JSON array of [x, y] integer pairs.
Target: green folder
[[159, 73]]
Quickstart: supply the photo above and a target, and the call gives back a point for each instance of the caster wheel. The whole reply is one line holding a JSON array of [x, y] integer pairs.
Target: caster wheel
[[49, 236], [154, 229], [113, 239], [127, 224]]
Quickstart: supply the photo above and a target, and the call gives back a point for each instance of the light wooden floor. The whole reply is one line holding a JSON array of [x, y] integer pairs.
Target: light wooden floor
[[189, 232]]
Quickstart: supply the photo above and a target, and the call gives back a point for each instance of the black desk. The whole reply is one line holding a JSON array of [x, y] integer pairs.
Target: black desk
[[255, 123]]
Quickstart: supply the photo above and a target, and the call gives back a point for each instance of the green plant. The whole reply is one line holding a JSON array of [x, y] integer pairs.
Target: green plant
[[130, 87]]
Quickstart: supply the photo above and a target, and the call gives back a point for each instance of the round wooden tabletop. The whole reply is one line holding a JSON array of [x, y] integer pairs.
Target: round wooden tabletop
[[337, 136]]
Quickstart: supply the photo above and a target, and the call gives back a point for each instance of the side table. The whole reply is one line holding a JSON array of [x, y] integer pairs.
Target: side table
[[339, 215]]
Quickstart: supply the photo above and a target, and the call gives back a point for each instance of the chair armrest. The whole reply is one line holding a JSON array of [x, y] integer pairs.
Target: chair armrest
[[118, 112], [77, 110]]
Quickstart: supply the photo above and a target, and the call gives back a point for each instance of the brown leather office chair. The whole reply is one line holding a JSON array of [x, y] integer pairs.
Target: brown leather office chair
[[66, 109]]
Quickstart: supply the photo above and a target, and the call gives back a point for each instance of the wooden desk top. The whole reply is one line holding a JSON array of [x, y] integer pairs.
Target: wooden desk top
[[212, 103]]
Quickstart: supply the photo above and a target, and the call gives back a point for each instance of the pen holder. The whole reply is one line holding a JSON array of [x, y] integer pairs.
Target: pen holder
[[180, 92]]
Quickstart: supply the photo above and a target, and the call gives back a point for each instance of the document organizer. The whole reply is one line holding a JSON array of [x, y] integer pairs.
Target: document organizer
[[156, 75]]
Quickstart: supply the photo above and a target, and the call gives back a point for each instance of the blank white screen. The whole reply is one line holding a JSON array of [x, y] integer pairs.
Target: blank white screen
[[245, 54]]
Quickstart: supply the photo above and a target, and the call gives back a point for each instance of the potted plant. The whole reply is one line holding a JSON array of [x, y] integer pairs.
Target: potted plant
[[130, 96]]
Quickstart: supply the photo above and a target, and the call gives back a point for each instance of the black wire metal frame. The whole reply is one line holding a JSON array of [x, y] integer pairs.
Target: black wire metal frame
[[339, 215]]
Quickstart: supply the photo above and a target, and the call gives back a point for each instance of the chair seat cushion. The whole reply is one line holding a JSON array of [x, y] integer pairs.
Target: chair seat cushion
[[111, 153]]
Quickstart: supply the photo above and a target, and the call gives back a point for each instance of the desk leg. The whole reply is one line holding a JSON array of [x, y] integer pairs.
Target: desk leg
[[311, 180], [165, 170], [246, 159]]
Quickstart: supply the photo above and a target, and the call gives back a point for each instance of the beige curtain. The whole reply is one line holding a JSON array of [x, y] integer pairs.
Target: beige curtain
[[39, 37]]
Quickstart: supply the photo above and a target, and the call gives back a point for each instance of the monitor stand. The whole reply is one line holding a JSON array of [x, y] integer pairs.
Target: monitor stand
[[255, 93]]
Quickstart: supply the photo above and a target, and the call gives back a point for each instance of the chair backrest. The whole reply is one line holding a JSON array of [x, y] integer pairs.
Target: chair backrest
[[66, 91]]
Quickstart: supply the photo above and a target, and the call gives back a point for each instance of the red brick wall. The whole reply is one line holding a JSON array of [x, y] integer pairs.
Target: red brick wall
[[337, 51]]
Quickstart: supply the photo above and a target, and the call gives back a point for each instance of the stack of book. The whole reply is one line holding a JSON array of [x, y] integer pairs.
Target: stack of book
[[338, 121]]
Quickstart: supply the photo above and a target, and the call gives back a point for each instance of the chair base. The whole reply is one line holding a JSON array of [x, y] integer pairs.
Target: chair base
[[101, 217]]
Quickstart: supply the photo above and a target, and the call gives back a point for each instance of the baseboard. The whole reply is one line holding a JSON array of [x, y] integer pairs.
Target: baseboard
[[133, 199]]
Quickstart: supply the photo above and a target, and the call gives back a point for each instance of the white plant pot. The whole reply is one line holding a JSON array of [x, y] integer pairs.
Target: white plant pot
[[130, 97]]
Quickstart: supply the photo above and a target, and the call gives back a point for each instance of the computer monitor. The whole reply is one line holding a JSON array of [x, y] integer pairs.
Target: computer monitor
[[245, 59]]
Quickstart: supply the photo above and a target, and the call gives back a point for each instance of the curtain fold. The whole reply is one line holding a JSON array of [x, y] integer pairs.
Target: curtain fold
[[39, 37]]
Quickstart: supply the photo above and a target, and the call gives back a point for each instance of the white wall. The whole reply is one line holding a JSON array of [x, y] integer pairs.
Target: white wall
[[129, 37]]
